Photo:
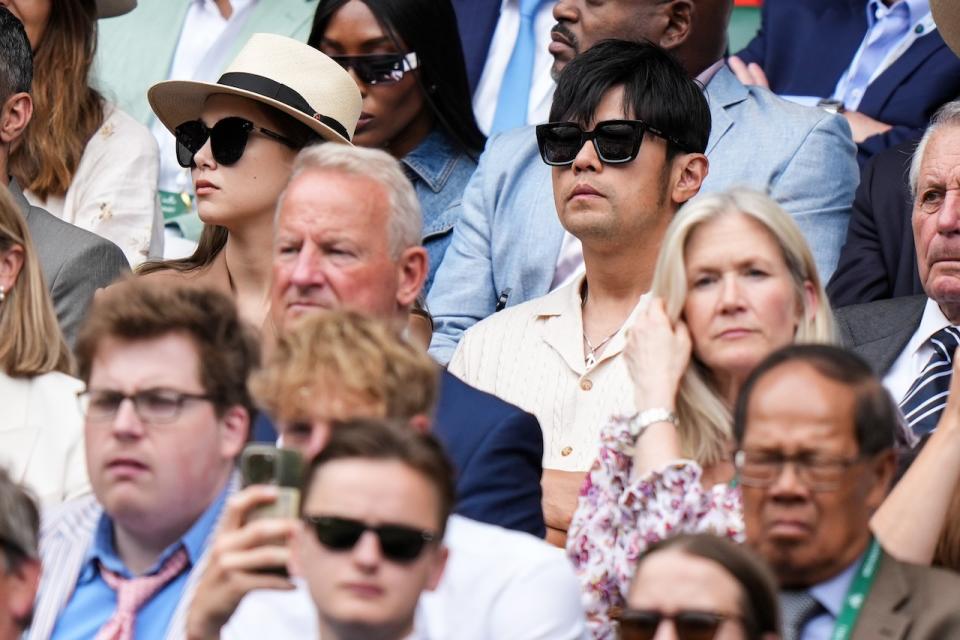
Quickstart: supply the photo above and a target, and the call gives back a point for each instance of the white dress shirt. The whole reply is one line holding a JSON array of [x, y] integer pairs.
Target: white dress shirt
[[501, 47], [498, 584], [914, 357]]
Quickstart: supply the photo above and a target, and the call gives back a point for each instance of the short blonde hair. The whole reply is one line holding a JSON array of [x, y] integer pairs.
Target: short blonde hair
[[31, 342], [705, 419], [347, 358]]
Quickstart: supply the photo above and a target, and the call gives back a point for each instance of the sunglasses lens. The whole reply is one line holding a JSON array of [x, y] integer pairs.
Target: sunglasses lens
[[617, 141], [559, 144], [190, 136], [338, 534], [693, 625], [229, 138], [374, 69], [401, 544], [639, 625]]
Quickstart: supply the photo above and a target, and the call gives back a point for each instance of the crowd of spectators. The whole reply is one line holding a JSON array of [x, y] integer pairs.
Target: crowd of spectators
[[289, 347]]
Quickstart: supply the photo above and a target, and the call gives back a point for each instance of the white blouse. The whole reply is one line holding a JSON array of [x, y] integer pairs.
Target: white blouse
[[114, 191], [41, 435]]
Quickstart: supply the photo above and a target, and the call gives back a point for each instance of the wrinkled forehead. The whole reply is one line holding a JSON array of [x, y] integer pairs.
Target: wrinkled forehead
[[318, 201]]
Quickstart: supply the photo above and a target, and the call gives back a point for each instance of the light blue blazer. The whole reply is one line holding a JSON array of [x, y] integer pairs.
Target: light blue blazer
[[135, 50], [508, 236]]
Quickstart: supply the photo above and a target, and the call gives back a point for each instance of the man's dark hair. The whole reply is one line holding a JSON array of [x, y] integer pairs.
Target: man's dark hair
[[19, 523], [384, 439], [16, 57], [876, 417], [656, 89]]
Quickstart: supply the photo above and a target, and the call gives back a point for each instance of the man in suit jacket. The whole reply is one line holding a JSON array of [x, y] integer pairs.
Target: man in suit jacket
[[823, 410], [167, 412], [878, 260], [805, 47], [904, 337], [508, 243], [75, 262]]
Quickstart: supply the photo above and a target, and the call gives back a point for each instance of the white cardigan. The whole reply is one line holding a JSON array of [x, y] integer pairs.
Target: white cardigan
[[41, 435]]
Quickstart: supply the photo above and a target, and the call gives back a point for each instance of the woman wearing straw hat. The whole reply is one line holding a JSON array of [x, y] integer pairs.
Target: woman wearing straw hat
[[239, 136]]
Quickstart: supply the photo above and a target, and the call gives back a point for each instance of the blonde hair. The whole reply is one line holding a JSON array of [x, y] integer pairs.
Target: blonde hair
[[30, 339], [705, 419], [342, 356]]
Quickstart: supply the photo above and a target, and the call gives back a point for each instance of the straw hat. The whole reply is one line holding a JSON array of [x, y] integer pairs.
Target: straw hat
[[111, 8], [277, 71], [946, 13]]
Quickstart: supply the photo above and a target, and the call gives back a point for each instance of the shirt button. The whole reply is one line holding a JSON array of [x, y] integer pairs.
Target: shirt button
[[566, 451], [586, 384]]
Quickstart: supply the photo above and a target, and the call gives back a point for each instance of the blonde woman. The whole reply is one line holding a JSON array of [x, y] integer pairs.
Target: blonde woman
[[41, 436], [735, 280]]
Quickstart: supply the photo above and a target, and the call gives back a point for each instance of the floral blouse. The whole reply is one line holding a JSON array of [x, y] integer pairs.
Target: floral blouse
[[619, 516]]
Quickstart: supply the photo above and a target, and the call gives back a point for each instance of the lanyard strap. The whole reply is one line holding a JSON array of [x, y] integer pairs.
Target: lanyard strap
[[857, 593]]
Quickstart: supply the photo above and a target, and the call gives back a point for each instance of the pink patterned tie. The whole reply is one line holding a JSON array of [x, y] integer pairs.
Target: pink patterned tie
[[132, 593]]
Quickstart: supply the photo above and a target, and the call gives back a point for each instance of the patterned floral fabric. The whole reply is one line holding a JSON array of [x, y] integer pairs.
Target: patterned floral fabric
[[619, 516]]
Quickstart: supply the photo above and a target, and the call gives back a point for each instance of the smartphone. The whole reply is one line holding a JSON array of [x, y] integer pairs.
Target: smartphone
[[283, 468]]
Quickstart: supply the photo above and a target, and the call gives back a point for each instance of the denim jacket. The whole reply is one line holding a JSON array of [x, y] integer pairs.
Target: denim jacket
[[439, 171]]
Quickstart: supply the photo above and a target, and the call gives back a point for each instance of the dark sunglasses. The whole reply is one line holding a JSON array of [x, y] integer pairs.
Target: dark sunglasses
[[228, 139], [398, 543], [616, 141], [379, 68], [689, 625]]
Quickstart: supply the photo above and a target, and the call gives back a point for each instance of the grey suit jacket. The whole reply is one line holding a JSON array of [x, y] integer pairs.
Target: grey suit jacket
[[75, 262], [878, 331], [910, 602], [508, 235]]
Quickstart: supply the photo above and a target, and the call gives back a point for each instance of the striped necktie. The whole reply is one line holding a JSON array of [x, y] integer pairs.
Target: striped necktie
[[514, 97], [925, 400], [798, 608]]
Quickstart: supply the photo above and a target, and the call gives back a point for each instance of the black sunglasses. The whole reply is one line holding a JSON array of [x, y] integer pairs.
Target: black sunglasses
[[228, 139], [398, 543], [616, 141], [689, 625], [379, 68]]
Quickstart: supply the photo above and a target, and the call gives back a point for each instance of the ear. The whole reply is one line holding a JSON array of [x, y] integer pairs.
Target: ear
[[883, 466], [679, 15], [436, 570], [15, 116], [411, 274], [21, 589], [689, 172], [11, 262], [236, 429], [811, 299]]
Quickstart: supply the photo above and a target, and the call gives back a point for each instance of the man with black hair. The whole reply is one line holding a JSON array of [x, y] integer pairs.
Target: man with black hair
[[629, 154], [19, 558], [75, 262], [507, 247]]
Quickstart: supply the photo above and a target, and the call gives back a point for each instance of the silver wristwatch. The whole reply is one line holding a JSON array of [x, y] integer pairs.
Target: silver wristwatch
[[651, 416]]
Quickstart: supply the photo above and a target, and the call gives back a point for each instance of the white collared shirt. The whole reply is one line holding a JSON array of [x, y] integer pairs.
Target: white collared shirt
[[914, 357], [501, 47]]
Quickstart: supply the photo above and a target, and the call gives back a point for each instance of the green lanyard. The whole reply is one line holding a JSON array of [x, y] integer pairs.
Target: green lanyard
[[857, 593]]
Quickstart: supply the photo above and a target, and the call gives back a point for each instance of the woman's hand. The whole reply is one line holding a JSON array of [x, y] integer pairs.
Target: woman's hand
[[657, 353]]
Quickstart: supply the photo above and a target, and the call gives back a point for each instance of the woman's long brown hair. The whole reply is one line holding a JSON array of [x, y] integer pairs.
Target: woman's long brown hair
[[66, 110]]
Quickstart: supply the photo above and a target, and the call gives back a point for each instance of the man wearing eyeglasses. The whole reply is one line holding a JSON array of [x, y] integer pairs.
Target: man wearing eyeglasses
[[816, 431], [19, 558], [167, 411], [375, 507]]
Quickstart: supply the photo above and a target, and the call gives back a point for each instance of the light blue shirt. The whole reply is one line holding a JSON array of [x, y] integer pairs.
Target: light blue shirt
[[863, 69], [93, 601], [831, 595]]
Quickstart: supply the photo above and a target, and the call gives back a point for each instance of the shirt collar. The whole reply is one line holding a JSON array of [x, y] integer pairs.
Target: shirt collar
[[916, 10], [433, 160], [103, 551], [932, 321], [705, 76], [832, 593]]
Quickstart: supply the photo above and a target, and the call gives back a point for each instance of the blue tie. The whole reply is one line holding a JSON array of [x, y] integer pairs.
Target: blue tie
[[512, 103], [926, 398]]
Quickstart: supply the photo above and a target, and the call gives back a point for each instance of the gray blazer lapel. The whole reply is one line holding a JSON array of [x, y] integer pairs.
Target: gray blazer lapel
[[879, 331], [879, 618], [21, 200], [723, 92]]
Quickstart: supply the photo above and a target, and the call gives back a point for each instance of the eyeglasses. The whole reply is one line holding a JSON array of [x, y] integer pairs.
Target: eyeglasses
[[398, 543], [228, 139], [819, 473], [616, 141], [379, 68], [153, 406], [637, 624]]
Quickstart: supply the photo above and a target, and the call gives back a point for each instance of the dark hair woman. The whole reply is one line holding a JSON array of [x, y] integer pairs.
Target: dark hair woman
[[407, 60]]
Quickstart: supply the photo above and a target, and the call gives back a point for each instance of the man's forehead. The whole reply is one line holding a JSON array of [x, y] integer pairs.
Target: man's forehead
[[941, 157]]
